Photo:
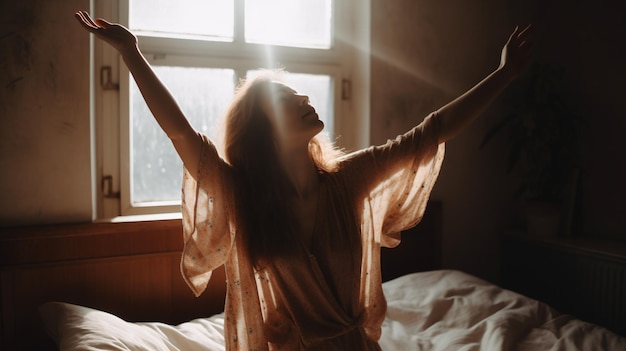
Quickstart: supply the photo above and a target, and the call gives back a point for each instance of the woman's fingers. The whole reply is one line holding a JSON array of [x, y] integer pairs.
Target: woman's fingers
[[520, 39], [81, 19], [90, 24], [525, 32], [86, 21], [90, 20], [513, 35], [523, 37]]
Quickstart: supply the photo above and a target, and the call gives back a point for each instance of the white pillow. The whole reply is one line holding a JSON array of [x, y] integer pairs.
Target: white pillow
[[80, 328]]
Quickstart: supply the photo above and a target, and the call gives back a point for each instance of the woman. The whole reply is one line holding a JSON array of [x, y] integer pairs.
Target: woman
[[298, 225]]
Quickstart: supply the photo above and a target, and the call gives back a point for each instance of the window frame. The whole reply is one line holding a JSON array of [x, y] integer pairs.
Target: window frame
[[113, 125]]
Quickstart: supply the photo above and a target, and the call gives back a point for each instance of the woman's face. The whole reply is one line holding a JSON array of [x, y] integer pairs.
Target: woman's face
[[293, 118]]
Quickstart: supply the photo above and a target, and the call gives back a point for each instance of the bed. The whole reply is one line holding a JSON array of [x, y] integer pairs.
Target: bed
[[118, 287], [434, 310]]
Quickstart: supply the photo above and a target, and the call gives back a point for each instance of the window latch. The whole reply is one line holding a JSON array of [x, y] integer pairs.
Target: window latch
[[346, 89], [106, 81], [106, 185]]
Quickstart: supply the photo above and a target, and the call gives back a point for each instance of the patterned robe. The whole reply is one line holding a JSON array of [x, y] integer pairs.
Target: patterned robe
[[330, 297]]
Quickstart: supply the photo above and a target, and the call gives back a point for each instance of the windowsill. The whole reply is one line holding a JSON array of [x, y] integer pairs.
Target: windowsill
[[141, 218], [117, 237]]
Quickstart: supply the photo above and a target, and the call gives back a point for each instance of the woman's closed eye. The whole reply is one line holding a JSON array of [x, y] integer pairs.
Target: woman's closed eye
[[286, 98]]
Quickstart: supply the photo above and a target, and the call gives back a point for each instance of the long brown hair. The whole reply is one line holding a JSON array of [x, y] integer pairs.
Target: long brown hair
[[265, 215]]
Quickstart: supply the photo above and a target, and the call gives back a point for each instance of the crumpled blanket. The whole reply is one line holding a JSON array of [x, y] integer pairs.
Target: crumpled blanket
[[451, 310]]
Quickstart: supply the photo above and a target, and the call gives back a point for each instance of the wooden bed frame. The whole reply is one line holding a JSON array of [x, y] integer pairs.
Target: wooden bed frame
[[132, 270]]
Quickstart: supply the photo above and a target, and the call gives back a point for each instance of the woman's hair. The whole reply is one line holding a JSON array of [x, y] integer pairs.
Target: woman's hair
[[265, 214]]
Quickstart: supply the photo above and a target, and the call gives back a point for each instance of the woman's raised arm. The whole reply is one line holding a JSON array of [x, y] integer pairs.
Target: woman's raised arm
[[162, 104], [460, 112]]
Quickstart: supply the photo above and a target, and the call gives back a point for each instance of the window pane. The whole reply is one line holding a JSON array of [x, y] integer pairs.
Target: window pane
[[319, 89], [208, 18], [204, 94], [300, 23]]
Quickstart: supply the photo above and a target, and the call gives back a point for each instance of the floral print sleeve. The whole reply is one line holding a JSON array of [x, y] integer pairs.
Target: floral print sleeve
[[396, 179], [208, 230]]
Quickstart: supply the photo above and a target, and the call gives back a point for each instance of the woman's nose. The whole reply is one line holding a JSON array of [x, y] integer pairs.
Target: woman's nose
[[304, 100]]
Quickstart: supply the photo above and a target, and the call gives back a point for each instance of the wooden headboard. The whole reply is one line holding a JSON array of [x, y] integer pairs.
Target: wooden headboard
[[132, 270]]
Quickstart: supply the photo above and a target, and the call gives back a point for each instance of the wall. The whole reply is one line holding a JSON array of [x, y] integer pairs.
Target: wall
[[440, 50], [425, 53], [588, 43], [44, 113]]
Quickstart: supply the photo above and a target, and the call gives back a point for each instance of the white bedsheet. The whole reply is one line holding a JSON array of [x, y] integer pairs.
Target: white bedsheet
[[438, 310], [451, 310]]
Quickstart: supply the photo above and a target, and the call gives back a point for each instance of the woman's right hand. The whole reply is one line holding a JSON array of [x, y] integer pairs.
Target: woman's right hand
[[162, 104], [115, 34]]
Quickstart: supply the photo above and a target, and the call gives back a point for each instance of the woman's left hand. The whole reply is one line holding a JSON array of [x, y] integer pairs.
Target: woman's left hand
[[517, 52]]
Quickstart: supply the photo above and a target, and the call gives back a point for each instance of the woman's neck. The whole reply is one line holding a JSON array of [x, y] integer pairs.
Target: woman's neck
[[301, 171]]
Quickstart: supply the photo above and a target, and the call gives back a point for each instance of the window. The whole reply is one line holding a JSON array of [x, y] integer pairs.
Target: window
[[201, 49]]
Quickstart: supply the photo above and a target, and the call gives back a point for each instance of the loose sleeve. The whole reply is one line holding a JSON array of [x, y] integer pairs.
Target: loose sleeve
[[397, 179], [208, 229]]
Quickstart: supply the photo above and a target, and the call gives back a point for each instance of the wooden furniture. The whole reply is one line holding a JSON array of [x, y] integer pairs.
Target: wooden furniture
[[581, 276], [132, 270]]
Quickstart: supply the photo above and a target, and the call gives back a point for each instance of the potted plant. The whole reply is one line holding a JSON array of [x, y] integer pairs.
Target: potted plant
[[543, 149]]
